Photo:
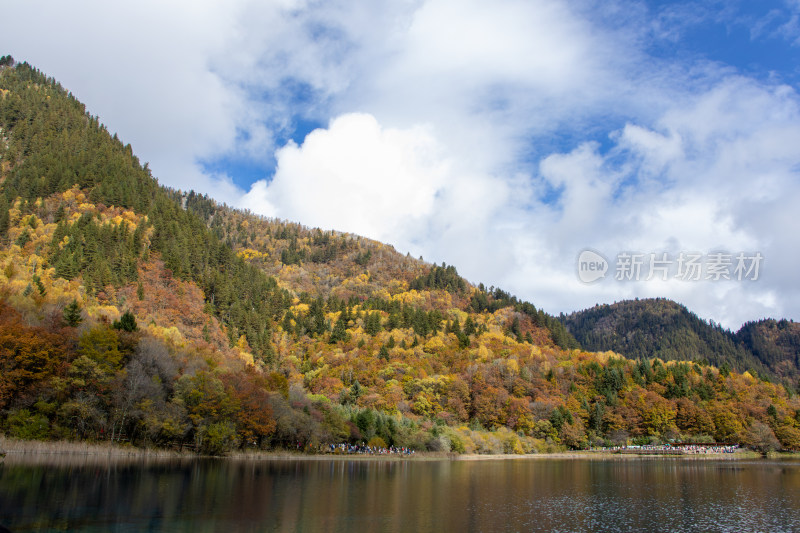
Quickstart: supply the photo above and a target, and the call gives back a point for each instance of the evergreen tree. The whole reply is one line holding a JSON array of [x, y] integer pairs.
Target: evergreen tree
[[4, 216], [339, 332], [355, 391], [372, 323], [72, 314], [383, 353], [469, 326], [39, 285], [23, 239], [127, 322], [316, 318]]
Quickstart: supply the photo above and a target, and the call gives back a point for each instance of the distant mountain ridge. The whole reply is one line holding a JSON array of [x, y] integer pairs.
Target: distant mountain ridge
[[662, 328]]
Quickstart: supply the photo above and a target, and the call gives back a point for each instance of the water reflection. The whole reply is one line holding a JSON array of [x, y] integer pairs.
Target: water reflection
[[399, 495]]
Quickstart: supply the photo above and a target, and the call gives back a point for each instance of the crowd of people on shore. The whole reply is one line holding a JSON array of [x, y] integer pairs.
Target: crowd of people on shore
[[363, 449], [708, 448], [685, 448]]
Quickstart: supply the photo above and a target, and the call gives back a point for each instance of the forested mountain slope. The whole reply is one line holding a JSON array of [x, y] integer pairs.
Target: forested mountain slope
[[349, 268], [667, 330], [776, 343], [132, 312]]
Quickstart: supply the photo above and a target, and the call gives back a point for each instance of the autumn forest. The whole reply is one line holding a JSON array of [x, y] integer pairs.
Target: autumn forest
[[138, 314]]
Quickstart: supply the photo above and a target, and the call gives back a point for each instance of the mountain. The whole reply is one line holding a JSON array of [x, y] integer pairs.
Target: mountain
[[134, 312], [641, 329]]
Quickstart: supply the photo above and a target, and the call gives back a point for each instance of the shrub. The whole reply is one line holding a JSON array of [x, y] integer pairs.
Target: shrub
[[24, 425], [376, 442]]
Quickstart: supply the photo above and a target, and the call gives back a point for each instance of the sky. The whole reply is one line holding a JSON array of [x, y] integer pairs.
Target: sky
[[657, 141]]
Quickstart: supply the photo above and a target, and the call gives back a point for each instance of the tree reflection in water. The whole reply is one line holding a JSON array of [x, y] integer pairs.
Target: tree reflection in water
[[199, 495]]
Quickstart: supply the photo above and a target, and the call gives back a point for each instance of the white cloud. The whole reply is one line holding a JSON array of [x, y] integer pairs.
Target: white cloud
[[718, 173], [538, 43], [357, 177], [142, 67]]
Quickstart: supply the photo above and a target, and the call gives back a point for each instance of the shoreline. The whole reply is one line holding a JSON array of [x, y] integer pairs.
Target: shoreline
[[22, 450]]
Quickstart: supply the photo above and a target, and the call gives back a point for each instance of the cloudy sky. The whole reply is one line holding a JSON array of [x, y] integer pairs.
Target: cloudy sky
[[504, 137]]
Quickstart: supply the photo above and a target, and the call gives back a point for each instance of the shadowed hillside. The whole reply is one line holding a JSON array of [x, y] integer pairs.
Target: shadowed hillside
[[776, 343]]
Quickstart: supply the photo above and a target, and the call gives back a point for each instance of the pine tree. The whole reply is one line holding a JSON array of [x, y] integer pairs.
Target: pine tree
[[339, 332], [23, 239], [372, 323], [4, 217], [72, 314], [39, 285], [127, 322], [469, 326]]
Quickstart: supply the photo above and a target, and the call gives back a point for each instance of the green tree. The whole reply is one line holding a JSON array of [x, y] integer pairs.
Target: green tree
[[339, 332], [39, 285], [23, 424], [101, 345], [217, 438], [127, 322], [383, 353], [4, 217], [72, 314], [23, 239], [372, 323]]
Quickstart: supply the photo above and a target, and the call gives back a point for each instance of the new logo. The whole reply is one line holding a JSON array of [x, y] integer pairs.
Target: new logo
[[591, 266]]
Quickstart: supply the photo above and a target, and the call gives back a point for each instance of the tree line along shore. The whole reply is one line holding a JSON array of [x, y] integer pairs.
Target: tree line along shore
[[24, 450]]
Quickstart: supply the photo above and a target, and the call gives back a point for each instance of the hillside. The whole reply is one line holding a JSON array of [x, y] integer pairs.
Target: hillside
[[661, 328], [339, 267], [129, 311], [776, 343]]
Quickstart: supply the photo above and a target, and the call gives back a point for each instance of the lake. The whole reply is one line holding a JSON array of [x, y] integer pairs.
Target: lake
[[553, 494]]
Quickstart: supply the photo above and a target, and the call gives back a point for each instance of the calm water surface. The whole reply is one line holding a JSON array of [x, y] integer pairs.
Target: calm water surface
[[643, 494]]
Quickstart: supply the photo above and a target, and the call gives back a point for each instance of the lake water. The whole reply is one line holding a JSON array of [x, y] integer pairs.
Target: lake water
[[204, 495]]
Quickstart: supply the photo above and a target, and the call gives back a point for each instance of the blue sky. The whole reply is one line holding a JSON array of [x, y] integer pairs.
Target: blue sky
[[503, 137], [751, 36]]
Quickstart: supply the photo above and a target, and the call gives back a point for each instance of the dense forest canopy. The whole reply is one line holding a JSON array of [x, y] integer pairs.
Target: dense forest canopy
[[132, 312]]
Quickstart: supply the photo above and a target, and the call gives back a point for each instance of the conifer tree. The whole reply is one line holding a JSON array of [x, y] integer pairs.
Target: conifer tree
[[127, 322], [372, 323], [339, 332], [4, 217], [72, 314]]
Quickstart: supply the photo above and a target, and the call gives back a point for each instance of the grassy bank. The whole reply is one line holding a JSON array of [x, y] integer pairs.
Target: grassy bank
[[16, 447]]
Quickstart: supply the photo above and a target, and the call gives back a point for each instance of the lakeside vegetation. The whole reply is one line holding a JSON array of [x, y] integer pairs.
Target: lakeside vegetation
[[18, 450], [130, 313]]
